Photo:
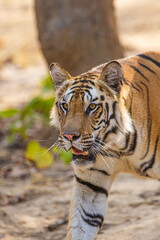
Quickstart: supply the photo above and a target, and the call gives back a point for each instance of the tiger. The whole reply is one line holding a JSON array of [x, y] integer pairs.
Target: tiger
[[109, 117]]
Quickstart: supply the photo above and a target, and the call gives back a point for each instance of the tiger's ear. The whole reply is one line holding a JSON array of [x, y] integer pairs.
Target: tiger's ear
[[112, 75], [58, 74]]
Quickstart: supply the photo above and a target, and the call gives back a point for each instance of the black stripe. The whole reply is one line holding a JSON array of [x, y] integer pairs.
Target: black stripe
[[75, 87], [126, 142], [86, 138], [82, 81], [146, 67], [95, 218], [132, 144], [99, 141], [100, 88], [81, 86], [92, 75], [139, 87], [95, 188], [111, 117], [131, 84], [114, 114], [96, 128], [59, 112], [100, 171], [93, 215], [148, 119], [102, 98], [148, 137], [95, 121], [107, 109], [92, 83], [94, 99], [152, 160], [131, 99], [134, 87], [147, 90], [83, 141], [88, 87], [100, 114], [70, 93], [101, 122], [138, 71], [114, 107], [149, 59], [89, 93], [94, 223], [125, 81], [86, 90], [71, 98], [83, 94], [112, 130]]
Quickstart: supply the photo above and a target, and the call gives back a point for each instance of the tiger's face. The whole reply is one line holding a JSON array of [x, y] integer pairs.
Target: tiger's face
[[87, 111]]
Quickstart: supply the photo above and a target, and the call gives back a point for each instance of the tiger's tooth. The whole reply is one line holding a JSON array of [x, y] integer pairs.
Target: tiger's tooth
[[85, 153]]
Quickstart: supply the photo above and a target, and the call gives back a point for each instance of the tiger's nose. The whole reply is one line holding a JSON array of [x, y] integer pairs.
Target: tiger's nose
[[71, 137]]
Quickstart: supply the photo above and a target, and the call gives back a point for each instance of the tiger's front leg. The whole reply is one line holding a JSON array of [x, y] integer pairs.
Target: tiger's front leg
[[88, 207]]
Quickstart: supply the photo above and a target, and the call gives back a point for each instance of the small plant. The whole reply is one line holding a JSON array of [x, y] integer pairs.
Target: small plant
[[37, 109], [23, 120], [41, 156], [38, 154]]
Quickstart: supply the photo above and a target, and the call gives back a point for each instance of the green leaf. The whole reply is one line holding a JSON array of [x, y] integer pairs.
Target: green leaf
[[32, 150], [8, 113], [44, 159], [39, 155], [66, 157]]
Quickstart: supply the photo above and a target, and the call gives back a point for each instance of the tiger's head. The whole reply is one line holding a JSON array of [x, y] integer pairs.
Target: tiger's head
[[88, 111]]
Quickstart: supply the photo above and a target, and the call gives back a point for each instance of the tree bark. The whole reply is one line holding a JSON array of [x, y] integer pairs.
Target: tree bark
[[78, 34]]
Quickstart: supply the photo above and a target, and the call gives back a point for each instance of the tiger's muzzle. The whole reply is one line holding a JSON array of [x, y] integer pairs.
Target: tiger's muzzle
[[82, 155]]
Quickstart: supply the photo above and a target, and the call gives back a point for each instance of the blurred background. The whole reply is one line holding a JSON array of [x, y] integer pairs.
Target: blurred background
[[35, 176]]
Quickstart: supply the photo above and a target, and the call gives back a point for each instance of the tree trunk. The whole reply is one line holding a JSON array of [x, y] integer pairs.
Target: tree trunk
[[78, 34]]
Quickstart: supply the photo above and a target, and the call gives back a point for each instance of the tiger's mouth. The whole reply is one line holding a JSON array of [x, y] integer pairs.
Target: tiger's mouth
[[82, 157], [76, 151]]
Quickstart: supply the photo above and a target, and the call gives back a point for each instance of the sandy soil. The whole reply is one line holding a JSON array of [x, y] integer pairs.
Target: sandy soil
[[31, 204], [31, 200]]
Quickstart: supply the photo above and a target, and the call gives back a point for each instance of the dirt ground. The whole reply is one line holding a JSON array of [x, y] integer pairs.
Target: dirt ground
[[34, 207], [34, 203]]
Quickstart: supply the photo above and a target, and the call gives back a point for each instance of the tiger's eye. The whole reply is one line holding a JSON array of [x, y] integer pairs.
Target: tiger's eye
[[65, 106], [92, 106]]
